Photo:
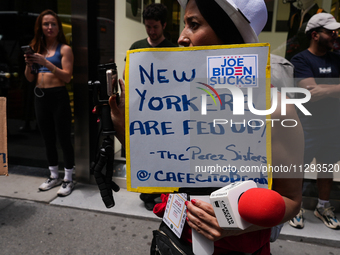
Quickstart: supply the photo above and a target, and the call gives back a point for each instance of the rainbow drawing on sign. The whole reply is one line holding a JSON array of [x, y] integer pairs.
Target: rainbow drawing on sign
[[208, 92]]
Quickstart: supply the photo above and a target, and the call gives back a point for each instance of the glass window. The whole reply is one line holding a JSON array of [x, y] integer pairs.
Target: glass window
[[17, 19]]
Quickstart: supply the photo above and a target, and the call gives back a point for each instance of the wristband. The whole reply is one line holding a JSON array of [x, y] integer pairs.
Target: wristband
[[53, 71]]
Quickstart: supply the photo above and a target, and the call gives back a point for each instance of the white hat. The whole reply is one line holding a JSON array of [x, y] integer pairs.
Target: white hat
[[249, 16], [324, 20]]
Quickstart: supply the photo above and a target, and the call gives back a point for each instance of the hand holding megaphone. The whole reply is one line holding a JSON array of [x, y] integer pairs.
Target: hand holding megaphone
[[239, 205]]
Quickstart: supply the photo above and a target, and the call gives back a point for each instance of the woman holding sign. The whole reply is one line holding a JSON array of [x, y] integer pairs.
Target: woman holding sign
[[217, 22]]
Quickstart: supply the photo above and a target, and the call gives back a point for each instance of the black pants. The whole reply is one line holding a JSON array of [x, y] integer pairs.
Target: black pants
[[149, 198], [53, 113]]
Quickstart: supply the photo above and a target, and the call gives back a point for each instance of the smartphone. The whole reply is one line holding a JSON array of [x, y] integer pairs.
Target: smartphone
[[27, 50], [109, 82], [112, 82]]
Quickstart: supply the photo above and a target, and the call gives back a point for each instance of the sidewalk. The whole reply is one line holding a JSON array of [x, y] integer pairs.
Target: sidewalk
[[87, 197]]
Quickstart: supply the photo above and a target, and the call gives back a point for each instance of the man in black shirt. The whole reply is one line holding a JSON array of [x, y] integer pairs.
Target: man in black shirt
[[318, 70]]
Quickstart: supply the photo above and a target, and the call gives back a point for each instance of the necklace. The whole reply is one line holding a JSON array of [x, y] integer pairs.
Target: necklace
[[48, 50]]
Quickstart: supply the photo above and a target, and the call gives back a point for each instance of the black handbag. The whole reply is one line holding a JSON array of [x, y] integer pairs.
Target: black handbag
[[165, 242]]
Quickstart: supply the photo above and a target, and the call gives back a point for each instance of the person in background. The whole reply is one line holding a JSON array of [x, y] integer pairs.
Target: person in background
[[207, 23], [52, 103], [296, 40], [154, 19], [318, 70]]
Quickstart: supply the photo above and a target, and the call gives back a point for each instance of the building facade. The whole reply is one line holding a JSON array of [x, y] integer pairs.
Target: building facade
[[100, 32]]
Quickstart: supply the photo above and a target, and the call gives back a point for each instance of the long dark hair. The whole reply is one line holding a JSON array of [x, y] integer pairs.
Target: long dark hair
[[39, 41], [219, 21]]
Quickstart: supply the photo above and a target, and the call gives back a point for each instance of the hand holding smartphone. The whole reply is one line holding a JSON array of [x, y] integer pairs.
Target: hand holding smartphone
[[29, 51], [112, 83]]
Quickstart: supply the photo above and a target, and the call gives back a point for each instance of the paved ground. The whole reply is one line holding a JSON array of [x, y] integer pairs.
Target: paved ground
[[33, 222], [40, 228]]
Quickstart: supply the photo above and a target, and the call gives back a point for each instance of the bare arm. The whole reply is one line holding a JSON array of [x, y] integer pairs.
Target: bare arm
[[30, 77], [67, 60], [287, 149], [320, 91], [64, 74]]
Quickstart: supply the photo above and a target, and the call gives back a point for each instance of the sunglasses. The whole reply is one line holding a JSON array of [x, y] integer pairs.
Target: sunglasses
[[332, 33]]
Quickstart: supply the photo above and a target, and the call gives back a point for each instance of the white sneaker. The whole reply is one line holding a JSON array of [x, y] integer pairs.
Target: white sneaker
[[50, 183], [66, 188], [298, 220], [327, 216]]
